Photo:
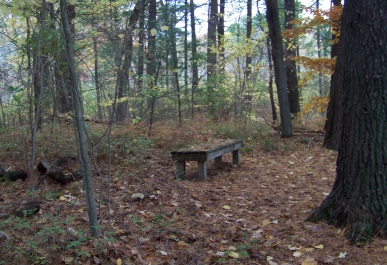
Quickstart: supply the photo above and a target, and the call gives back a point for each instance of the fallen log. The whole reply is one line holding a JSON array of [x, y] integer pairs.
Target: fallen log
[[53, 172], [28, 209], [12, 175]]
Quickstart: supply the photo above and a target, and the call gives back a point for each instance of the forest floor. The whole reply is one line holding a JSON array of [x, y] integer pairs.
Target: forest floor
[[251, 213]]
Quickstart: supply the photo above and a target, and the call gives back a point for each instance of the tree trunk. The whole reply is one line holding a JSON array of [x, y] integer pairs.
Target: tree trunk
[[318, 39], [98, 87], [186, 9], [290, 53], [334, 110], [220, 29], [152, 61], [127, 50], [279, 68], [62, 75], [358, 199], [68, 42], [247, 82], [195, 72], [140, 62], [211, 55], [271, 94], [175, 64]]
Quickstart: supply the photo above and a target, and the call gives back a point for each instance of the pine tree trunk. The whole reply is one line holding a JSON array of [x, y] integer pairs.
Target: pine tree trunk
[[358, 199], [271, 93], [247, 82], [220, 29], [279, 68], [334, 110], [212, 56], [195, 71], [151, 67], [290, 53], [140, 63]]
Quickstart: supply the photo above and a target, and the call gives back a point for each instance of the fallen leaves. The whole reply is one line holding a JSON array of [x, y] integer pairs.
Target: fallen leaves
[[250, 214]]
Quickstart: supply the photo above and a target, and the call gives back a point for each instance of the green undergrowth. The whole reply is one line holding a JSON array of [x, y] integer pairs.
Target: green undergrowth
[[49, 240], [253, 134]]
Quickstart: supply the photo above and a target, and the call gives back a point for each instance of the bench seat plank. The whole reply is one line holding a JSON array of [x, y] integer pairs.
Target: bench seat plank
[[201, 155]]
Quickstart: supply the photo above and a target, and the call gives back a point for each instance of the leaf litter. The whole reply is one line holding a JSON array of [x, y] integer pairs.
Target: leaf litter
[[252, 213]]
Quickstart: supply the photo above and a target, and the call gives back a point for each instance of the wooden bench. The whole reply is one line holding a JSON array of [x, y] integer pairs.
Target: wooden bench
[[202, 154]]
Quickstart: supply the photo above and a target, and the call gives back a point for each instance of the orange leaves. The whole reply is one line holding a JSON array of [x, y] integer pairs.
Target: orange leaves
[[316, 103], [318, 65], [308, 24]]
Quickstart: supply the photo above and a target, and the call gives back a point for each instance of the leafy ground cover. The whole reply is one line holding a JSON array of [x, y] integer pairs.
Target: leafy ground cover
[[252, 213]]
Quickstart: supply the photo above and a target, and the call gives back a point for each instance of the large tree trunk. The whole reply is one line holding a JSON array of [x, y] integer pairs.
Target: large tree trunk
[[334, 110], [358, 198], [68, 42], [279, 68], [290, 53]]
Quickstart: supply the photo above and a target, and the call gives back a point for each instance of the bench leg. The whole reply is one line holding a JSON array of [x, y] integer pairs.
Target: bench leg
[[202, 170], [235, 157], [180, 169], [218, 159]]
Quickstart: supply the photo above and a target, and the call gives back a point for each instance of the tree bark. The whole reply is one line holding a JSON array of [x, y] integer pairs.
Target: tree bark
[[290, 54], [358, 199], [279, 68]]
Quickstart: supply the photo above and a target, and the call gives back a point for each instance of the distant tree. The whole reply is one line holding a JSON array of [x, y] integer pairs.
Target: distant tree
[[195, 71], [126, 58], [273, 22], [212, 54], [151, 66], [358, 199], [247, 77], [221, 43], [334, 110], [290, 54], [271, 93]]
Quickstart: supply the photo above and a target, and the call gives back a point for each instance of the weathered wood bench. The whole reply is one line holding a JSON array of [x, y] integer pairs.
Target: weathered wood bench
[[201, 155]]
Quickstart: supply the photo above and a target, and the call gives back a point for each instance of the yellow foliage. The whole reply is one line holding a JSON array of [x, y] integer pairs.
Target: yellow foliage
[[319, 104], [319, 65], [304, 25]]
